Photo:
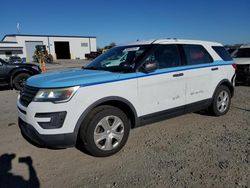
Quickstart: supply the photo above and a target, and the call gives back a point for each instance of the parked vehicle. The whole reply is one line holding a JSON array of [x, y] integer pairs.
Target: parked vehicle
[[92, 55], [242, 59], [99, 104], [41, 52], [16, 74], [15, 59]]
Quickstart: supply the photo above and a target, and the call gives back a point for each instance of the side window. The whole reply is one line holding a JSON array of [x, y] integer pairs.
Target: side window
[[196, 54], [223, 53], [165, 56]]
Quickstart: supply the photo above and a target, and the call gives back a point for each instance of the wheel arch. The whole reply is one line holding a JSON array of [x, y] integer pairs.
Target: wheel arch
[[226, 83], [118, 102]]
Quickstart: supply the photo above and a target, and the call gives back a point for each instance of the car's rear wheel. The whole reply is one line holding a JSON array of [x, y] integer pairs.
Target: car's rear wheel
[[20, 80], [105, 131], [221, 101]]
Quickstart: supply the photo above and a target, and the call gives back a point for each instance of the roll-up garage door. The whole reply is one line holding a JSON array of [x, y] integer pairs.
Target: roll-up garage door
[[30, 49]]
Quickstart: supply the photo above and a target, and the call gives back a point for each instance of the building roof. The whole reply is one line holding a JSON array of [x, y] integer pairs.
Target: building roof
[[9, 46], [27, 35], [7, 42]]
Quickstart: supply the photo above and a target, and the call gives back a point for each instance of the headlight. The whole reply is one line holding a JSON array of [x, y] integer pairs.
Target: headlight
[[55, 95]]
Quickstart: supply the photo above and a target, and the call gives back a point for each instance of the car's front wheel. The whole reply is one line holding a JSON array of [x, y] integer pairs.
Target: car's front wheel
[[20, 80], [104, 131]]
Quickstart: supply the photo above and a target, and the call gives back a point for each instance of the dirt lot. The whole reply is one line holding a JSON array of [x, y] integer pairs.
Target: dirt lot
[[193, 150]]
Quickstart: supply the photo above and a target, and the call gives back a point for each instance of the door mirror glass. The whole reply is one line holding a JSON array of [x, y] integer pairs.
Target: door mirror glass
[[126, 66], [150, 66]]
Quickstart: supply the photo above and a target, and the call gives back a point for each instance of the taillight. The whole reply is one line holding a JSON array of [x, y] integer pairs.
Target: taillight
[[234, 66]]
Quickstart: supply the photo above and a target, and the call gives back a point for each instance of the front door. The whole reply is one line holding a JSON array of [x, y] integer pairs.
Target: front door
[[163, 90]]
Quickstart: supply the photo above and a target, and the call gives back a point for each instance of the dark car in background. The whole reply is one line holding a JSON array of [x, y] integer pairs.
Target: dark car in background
[[16, 74]]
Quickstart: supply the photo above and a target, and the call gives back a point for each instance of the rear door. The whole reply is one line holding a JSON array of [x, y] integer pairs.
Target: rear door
[[198, 73], [163, 89]]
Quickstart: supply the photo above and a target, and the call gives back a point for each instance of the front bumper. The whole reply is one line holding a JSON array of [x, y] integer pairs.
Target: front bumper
[[52, 141], [42, 124]]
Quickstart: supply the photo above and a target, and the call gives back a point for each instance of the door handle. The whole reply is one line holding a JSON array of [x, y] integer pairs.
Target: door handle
[[178, 75], [214, 69]]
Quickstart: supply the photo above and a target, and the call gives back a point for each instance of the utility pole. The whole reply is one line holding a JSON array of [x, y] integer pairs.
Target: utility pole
[[18, 27]]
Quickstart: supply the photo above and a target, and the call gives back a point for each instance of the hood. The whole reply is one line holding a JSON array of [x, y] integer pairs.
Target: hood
[[22, 64], [242, 61], [73, 77]]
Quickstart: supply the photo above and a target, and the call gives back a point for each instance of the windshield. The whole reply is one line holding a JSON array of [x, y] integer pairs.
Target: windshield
[[113, 58], [242, 53]]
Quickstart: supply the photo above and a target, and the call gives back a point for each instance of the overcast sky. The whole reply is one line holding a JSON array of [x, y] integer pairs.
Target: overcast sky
[[225, 21]]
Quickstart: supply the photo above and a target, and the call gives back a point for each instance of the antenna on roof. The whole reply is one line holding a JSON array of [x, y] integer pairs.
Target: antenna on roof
[[18, 27]]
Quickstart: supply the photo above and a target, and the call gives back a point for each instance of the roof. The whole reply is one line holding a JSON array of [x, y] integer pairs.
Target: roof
[[5, 46], [245, 46], [27, 35], [173, 41]]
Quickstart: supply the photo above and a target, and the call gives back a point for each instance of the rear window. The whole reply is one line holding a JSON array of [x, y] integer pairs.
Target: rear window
[[242, 53], [223, 53], [196, 54]]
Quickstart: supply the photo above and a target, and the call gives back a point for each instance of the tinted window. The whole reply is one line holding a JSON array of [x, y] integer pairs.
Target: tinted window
[[242, 53], [222, 52], [196, 54], [112, 59], [165, 56]]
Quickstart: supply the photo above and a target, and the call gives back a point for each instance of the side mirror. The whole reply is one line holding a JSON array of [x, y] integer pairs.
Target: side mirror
[[150, 66], [125, 66]]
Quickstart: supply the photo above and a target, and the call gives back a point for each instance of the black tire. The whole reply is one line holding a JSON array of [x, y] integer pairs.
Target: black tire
[[214, 109], [90, 125], [19, 80]]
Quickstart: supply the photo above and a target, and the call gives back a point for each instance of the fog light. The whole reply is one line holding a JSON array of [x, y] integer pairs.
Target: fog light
[[56, 119]]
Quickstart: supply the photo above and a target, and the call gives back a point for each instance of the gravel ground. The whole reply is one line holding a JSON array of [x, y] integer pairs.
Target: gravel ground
[[192, 150]]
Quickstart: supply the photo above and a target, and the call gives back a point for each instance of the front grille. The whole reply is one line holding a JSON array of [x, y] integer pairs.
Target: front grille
[[27, 95]]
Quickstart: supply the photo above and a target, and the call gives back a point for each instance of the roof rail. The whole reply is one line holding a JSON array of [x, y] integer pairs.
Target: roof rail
[[175, 39]]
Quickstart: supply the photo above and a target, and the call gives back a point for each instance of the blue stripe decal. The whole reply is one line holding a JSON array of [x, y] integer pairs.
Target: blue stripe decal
[[130, 76]]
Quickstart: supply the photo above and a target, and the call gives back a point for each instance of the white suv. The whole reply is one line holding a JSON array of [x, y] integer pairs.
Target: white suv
[[96, 106], [242, 59]]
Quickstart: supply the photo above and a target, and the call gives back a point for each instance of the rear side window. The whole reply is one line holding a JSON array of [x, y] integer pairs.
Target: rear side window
[[241, 53], [196, 54], [223, 53]]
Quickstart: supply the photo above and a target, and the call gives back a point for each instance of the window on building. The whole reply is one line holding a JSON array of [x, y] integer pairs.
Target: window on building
[[196, 54], [84, 44], [8, 53]]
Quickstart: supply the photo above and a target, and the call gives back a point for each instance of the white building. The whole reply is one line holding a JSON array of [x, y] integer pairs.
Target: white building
[[8, 49], [60, 47]]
